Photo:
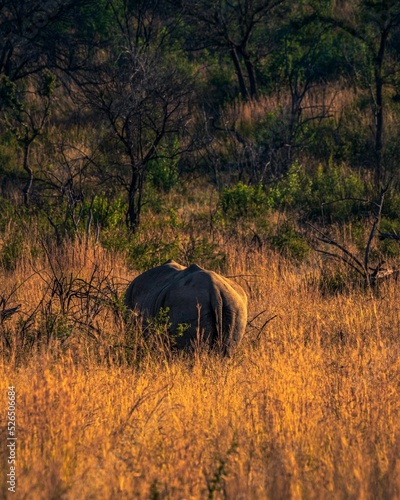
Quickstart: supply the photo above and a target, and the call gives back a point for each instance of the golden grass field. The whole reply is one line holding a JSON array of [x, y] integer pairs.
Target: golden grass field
[[308, 408]]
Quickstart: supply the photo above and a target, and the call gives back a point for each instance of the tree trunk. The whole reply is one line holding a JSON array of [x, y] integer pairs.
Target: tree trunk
[[378, 131], [250, 73], [135, 194], [239, 73], [28, 186], [379, 118]]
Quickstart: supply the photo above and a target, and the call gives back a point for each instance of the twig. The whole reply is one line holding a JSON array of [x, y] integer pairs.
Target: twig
[[264, 325], [362, 200], [339, 257], [7, 313], [256, 316], [388, 236], [327, 239]]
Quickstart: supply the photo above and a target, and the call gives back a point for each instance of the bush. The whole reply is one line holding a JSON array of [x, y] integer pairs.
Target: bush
[[243, 202], [202, 251], [106, 213], [331, 192], [290, 242], [333, 281], [148, 253], [11, 250], [163, 172], [294, 190]]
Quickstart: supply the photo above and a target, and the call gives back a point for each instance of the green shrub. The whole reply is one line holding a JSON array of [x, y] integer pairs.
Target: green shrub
[[163, 172], [290, 242], [105, 212], [391, 207], [243, 202], [144, 254], [294, 190], [11, 250], [201, 251], [337, 192], [331, 192]]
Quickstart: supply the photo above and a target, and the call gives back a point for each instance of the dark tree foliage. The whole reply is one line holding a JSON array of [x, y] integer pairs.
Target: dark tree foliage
[[231, 28], [375, 25], [47, 34], [246, 77], [139, 95]]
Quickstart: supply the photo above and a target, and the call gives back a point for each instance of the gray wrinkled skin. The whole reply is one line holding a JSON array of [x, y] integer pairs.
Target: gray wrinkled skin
[[215, 307]]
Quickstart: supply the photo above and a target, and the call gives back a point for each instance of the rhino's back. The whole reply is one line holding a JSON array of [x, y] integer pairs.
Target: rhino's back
[[209, 303], [144, 290]]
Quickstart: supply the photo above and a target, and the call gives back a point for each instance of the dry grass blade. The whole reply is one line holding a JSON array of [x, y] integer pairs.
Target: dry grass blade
[[312, 407]]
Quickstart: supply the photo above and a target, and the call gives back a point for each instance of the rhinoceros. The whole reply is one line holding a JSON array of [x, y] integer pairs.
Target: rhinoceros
[[213, 308]]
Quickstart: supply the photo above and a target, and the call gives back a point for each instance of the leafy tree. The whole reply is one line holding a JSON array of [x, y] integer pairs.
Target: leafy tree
[[47, 34], [231, 27], [307, 59], [40, 39], [141, 96], [375, 25], [26, 113]]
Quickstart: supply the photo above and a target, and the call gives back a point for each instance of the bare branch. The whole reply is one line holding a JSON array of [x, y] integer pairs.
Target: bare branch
[[377, 219], [327, 239], [388, 236]]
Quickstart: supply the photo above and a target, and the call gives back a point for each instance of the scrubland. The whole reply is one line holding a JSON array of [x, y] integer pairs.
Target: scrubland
[[258, 139], [308, 406]]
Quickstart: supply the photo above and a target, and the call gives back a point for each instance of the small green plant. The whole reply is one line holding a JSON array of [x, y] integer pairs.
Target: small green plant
[[163, 172], [14, 242], [160, 323], [11, 251], [290, 243], [333, 281], [155, 493], [243, 202], [293, 190], [217, 483], [158, 334], [106, 213], [332, 192], [56, 326]]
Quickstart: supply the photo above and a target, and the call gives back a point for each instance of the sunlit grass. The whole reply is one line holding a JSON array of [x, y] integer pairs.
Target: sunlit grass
[[308, 407]]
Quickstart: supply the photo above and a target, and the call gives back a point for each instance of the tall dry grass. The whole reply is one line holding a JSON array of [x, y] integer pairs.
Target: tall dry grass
[[318, 101], [309, 407]]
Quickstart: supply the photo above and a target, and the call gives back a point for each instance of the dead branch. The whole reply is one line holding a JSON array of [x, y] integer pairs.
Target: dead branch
[[256, 316], [340, 258], [264, 325], [362, 267], [325, 238], [7, 313], [388, 236], [377, 218]]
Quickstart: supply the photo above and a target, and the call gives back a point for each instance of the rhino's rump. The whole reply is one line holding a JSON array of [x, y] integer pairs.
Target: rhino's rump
[[213, 308]]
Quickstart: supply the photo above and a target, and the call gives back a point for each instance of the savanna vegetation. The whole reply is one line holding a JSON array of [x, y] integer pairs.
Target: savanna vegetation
[[256, 138]]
